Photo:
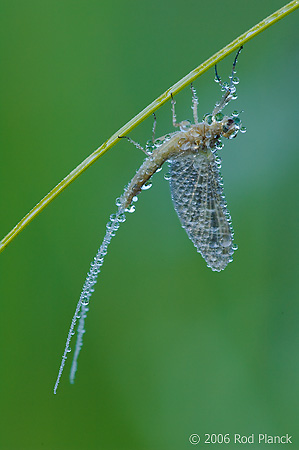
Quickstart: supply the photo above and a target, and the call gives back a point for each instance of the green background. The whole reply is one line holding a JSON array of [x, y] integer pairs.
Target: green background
[[171, 347]]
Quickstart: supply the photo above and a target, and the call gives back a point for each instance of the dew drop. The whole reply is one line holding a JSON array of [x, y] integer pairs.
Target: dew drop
[[146, 186], [121, 218], [208, 119], [226, 241], [167, 176], [185, 125], [233, 135], [158, 143], [225, 86], [219, 117], [149, 144], [131, 209]]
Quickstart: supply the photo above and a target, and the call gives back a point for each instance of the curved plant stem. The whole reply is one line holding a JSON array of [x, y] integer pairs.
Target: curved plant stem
[[177, 87]]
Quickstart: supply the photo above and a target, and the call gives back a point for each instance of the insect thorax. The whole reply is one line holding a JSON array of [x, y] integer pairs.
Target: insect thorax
[[205, 136]]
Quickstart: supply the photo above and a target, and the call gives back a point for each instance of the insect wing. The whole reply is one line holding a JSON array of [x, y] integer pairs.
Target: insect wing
[[197, 194]]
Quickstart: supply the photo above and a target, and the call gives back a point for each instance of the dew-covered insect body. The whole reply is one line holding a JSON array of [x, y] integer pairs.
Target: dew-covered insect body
[[196, 189]]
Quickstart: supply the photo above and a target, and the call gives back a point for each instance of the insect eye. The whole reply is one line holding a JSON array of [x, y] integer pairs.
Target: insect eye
[[230, 122]]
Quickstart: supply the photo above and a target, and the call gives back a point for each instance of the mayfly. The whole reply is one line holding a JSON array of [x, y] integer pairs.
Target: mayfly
[[196, 189]]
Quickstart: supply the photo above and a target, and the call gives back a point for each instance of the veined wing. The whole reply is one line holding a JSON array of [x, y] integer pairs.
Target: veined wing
[[197, 194]]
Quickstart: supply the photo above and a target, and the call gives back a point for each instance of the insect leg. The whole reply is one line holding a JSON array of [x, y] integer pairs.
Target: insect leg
[[236, 59], [174, 122], [217, 77], [194, 104], [134, 143], [154, 127], [229, 89]]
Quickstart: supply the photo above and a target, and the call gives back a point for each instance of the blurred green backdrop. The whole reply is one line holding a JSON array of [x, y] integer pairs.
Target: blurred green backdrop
[[171, 347]]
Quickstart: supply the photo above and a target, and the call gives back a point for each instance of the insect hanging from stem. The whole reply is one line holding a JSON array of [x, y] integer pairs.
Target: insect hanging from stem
[[196, 189]]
